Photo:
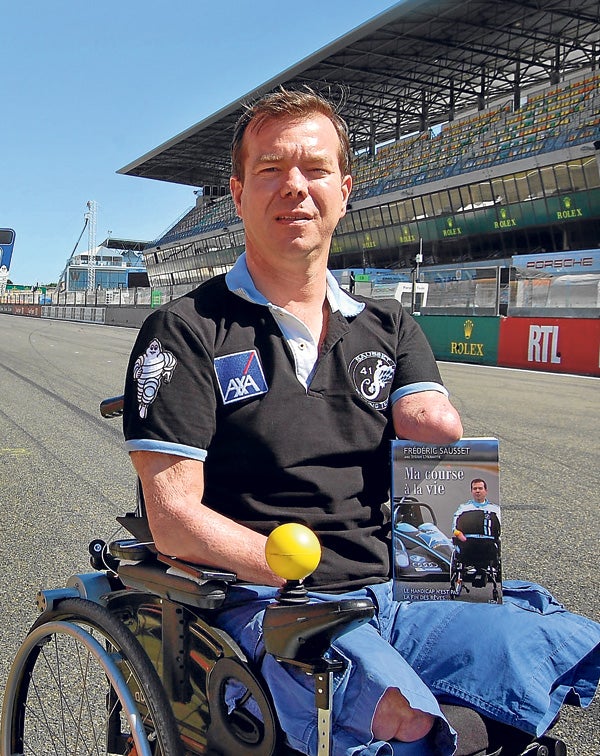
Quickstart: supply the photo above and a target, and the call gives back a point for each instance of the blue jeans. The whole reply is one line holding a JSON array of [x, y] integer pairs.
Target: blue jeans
[[517, 662]]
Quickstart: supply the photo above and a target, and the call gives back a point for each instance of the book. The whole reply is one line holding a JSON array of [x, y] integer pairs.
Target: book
[[446, 521]]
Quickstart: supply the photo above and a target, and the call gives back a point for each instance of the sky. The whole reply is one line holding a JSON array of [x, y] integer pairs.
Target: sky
[[88, 87]]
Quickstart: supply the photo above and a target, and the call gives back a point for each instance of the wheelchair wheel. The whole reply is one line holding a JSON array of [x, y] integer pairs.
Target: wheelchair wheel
[[81, 684], [238, 731], [456, 576]]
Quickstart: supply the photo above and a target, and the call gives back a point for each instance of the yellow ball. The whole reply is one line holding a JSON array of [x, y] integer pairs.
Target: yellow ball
[[293, 551]]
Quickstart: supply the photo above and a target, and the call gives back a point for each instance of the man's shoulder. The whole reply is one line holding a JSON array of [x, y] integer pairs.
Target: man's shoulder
[[208, 314], [206, 300], [208, 294]]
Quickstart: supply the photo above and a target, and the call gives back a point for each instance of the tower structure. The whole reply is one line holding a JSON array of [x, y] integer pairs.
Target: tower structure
[[92, 206]]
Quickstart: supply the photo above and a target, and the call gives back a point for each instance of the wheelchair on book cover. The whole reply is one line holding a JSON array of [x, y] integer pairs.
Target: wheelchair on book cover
[[125, 660], [476, 558]]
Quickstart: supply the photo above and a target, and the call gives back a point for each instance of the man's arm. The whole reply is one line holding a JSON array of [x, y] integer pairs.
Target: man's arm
[[427, 416], [184, 527], [455, 531]]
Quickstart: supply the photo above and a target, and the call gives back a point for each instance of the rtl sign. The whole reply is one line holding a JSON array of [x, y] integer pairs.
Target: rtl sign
[[543, 344], [562, 345]]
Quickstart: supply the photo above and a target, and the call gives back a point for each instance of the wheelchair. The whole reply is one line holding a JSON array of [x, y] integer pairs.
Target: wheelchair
[[125, 660], [476, 558]]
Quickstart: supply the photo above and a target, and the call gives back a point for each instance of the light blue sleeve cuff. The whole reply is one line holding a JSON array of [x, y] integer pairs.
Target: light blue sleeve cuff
[[180, 450], [415, 388]]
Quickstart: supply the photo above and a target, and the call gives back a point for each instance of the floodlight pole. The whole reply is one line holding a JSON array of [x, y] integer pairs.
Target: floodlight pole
[[92, 206]]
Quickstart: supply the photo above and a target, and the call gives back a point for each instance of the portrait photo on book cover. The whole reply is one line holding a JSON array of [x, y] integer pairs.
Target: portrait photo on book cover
[[446, 521]]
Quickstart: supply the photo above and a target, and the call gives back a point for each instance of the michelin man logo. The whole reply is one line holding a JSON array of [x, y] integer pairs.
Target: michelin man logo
[[150, 370], [372, 374]]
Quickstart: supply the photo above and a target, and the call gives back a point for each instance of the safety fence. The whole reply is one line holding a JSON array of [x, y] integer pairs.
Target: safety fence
[[559, 345]]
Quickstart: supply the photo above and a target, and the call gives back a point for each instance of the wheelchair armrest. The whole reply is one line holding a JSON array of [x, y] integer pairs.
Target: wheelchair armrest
[[140, 566], [303, 633], [154, 577], [196, 571], [112, 407]]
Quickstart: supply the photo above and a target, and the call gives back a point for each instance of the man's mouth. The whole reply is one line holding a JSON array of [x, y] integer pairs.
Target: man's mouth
[[291, 218]]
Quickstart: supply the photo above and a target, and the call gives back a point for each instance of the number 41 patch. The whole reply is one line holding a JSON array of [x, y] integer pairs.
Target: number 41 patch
[[240, 376]]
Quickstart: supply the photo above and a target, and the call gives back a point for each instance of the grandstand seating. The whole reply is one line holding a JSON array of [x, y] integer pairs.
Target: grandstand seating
[[562, 116], [213, 215]]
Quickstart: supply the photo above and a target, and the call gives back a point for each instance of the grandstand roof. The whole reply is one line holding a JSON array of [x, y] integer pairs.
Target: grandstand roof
[[134, 245], [407, 69]]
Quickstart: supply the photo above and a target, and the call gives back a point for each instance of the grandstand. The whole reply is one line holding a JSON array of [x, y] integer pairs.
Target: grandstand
[[476, 130], [116, 263]]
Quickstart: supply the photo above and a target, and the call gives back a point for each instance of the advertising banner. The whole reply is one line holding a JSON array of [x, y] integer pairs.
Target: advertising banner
[[559, 263], [7, 242], [29, 310], [462, 338], [561, 345]]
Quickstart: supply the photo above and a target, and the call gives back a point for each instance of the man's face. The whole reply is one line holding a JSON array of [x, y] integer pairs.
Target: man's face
[[293, 194], [478, 492]]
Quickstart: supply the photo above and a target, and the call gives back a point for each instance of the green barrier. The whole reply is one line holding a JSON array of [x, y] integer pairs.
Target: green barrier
[[465, 338]]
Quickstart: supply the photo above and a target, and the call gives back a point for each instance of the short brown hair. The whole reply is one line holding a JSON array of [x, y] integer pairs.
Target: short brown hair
[[285, 103], [479, 480]]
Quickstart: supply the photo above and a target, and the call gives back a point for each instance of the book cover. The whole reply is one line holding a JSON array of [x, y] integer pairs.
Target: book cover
[[446, 521]]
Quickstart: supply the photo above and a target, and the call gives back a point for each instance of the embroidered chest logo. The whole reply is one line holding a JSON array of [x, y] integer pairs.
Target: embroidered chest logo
[[151, 368], [240, 376], [372, 374]]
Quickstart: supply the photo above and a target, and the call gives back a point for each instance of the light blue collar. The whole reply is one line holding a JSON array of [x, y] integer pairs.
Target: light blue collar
[[478, 504], [240, 282]]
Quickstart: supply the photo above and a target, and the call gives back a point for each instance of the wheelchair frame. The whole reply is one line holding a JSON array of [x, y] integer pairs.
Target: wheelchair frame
[[476, 558], [166, 681], [173, 668]]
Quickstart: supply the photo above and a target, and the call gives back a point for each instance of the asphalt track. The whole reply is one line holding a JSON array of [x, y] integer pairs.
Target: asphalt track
[[64, 475]]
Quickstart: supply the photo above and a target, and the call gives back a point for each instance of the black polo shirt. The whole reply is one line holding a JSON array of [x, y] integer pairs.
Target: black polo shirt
[[211, 377]]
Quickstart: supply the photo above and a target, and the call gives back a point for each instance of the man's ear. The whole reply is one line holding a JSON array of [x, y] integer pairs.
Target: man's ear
[[346, 189], [236, 187]]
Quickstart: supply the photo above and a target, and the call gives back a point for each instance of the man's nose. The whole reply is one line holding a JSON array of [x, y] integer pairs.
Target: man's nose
[[295, 183]]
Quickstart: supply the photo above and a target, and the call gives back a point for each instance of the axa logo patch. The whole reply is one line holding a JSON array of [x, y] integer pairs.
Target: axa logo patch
[[372, 374], [240, 376]]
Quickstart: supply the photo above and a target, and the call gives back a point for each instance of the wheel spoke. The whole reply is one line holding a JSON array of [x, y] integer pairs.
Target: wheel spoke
[[73, 687]]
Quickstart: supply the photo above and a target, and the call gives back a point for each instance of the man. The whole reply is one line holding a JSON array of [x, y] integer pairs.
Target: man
[[477, 503], [476, 537], [281, 398]]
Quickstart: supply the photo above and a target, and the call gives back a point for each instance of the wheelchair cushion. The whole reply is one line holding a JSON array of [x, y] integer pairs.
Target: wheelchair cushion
[[472, 732], [478, 552]]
